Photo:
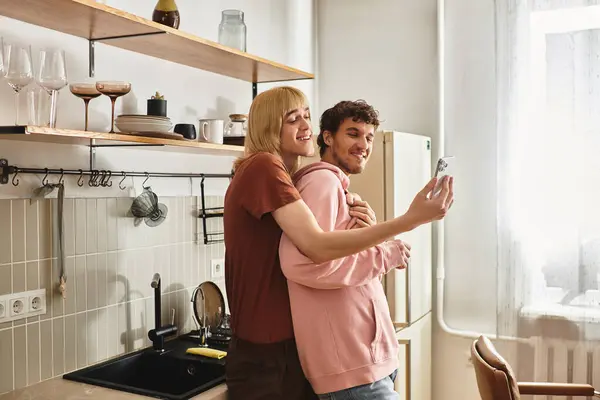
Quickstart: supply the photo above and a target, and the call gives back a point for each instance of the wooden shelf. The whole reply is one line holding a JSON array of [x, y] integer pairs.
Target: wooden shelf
[[69, 136], [94, 21]]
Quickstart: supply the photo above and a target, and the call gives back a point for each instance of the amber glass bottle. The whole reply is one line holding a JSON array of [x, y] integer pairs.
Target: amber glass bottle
[[166, 13]]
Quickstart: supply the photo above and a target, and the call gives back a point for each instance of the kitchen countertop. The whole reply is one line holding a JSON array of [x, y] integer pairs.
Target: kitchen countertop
[[62, 389]]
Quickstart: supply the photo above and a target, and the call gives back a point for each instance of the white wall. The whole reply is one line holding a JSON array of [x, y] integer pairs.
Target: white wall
[[390, 60], [281, 31], [470, 229], [387, 58], [471, 137]]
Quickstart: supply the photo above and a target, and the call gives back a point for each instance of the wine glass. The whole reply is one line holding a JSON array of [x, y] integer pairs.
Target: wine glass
[[18, 71], [87, 92], [113, 90], [52, 76]]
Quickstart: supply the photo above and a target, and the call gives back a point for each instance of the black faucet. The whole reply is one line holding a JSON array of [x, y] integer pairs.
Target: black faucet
[[158, 334]]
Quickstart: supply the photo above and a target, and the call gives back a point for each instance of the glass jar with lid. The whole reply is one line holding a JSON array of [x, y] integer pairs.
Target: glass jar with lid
[[232, 29], [236, 125]]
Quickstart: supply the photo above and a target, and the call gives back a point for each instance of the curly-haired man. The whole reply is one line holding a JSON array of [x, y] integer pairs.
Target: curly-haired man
[[344, 333]]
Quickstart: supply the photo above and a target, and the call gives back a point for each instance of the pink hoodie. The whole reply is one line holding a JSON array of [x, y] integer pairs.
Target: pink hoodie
[[342, 324]]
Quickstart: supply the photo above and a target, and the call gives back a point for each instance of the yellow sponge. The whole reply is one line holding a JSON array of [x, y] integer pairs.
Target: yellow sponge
[[206, 352]]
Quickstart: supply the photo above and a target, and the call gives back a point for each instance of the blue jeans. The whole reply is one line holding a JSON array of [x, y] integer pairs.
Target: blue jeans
[[383, 389]]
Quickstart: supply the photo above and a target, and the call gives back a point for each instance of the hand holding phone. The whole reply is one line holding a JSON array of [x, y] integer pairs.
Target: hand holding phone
[[435, 199], [443, 169]]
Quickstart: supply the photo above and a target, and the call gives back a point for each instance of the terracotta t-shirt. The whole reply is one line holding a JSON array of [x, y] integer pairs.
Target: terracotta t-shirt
[[256, 287]]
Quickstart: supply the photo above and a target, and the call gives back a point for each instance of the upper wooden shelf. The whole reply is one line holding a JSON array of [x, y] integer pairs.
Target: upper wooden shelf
[[69, 136], [94, 21]]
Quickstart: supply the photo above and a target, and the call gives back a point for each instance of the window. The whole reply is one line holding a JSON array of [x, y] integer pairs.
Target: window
[[557, 185]]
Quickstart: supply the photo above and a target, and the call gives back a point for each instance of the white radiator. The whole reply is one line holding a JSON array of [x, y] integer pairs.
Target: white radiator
[[566, 362]]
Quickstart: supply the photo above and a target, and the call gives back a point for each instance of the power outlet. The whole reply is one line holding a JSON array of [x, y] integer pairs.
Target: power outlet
[[217, 267], [37, 304], [21, 305], [17, 306]]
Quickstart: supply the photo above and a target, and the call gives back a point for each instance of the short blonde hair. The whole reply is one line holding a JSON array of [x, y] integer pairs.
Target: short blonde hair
[[266, 119]]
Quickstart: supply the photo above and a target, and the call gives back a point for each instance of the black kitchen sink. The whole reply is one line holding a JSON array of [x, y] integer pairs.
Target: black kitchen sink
[[172, 374]]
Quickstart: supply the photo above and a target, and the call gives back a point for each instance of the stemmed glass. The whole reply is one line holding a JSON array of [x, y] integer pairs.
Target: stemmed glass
[[18, 71], [87, 92], [52, 77], [113, 90]]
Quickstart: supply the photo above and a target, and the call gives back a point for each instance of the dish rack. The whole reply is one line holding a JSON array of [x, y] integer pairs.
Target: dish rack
[[207, 213]]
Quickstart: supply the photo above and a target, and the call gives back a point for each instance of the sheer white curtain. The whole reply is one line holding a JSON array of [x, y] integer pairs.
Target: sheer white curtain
[[548, 130]]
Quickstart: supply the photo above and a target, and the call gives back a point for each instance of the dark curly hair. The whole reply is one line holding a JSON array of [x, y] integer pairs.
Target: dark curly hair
[[359, 111]]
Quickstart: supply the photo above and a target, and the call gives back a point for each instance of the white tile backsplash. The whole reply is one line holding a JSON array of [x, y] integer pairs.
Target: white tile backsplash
[[109, 264]]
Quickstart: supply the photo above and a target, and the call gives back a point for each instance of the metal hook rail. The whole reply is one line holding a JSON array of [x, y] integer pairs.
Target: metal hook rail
[[103, 178], [97, 177]]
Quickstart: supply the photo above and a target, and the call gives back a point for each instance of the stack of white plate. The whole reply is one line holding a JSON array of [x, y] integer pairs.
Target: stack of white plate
[[143, 123]]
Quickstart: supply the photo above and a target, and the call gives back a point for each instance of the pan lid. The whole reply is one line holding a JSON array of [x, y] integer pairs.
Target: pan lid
[[207, 297]]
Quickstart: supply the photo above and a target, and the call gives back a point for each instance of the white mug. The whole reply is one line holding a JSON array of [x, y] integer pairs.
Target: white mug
[[211, 130]]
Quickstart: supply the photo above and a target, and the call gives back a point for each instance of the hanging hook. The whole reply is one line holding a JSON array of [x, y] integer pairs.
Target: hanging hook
[[98, 178], [80, 180], [93, 177], [124, 177], [147, 177], [15, 181], [106, 179], [45, 179], [62, 174], [102, 177]]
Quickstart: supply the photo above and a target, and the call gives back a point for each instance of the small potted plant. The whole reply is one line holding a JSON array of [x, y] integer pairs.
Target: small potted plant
[[157, 105]]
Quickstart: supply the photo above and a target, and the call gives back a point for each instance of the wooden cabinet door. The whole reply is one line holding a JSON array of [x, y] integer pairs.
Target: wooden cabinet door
[[414, 372]]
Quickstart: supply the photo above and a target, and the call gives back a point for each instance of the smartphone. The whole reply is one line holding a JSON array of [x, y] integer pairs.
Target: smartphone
[[444, 168]]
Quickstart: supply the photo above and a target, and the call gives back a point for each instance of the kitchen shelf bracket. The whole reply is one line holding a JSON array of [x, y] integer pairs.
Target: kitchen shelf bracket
[[255, 84], [92, 154], [5, 171], [92, 47]]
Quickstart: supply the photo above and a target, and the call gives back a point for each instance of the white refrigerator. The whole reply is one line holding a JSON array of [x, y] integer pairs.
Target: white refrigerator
[[400, 166]]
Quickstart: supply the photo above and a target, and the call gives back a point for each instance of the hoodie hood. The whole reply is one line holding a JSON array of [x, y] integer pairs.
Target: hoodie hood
[[319, 166]]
